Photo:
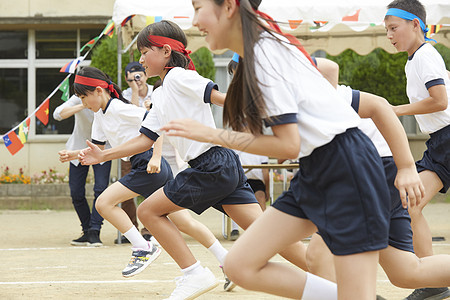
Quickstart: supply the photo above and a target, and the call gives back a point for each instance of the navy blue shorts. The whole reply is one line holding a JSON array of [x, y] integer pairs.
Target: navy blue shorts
[[437, 156], [341, 187], [400, 232], [257, 185], [215, 178], [141, 182]]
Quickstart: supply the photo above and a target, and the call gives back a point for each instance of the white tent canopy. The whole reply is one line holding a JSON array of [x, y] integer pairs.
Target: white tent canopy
[[354, 24]]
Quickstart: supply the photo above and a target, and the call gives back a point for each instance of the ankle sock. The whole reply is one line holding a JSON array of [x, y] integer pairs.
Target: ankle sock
[[193, 270], [318, 288], [136, 239], [219, 251]]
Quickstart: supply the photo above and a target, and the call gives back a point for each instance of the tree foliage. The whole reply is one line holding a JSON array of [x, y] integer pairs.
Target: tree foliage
[[378, 72], [104, 57]]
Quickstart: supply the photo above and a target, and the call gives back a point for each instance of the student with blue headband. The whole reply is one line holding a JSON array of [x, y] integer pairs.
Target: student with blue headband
[[428, 90]]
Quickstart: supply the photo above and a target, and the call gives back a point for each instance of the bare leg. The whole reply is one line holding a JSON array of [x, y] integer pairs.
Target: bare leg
[[192, 227], [106, 206], [319, 259], [406, 270], [356, 275], [421, 230], [153, 214], [261, 197], [247, 262]]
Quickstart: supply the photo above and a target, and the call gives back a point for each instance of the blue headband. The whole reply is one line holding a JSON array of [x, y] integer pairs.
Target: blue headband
[[235, 57], [409, 16]]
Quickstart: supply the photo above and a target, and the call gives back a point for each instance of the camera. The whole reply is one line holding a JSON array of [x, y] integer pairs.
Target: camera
[[137, 77]]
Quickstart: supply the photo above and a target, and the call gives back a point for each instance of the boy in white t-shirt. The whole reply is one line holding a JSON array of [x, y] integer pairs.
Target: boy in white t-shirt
[[428, 89]]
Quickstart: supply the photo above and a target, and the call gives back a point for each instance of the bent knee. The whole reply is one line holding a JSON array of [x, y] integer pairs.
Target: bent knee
[[237, 271]]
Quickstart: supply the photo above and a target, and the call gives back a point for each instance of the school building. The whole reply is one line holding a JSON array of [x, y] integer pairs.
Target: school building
[[37, 38]]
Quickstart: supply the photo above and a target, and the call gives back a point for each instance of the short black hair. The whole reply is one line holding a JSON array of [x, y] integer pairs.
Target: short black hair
[[412, 6]]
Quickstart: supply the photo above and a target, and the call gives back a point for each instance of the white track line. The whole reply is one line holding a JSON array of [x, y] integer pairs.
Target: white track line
[[83, 282]]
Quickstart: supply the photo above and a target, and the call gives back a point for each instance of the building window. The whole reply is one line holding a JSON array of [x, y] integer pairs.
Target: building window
[[56, 44], [14, 44], [13, 98], [46, 81]]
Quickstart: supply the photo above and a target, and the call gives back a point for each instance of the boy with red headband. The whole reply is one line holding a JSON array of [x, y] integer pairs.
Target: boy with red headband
[[428, 89]]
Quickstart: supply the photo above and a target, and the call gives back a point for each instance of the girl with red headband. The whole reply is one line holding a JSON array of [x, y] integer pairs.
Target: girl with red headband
[[340, 187], [117, 121], [215, 177]]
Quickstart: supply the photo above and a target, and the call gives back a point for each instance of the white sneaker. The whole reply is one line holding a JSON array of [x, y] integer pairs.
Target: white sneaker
[[141, 259], [192, 286]]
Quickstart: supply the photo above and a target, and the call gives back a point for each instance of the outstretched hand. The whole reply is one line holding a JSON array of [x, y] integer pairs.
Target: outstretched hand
[[67, 155], [91, 155], [189, 129], [409, 186]]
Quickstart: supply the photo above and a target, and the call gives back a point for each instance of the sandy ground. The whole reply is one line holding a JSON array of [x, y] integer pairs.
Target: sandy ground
[[37, 261]]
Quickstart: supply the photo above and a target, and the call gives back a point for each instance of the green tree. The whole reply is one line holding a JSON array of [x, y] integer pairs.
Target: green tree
[[204, 64], [379, 72]]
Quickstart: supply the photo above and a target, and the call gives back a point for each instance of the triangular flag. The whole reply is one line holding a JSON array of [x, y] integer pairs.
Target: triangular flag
[[89, 44], [352, 18], [109, 29], [152, 19], [42, 113], [432, 30], [71, 66], [64, 88], [24, 127], [126, 20], [12, 142]]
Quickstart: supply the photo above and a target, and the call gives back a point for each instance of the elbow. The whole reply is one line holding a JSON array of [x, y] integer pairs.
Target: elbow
[[292, 151], [442, 105]]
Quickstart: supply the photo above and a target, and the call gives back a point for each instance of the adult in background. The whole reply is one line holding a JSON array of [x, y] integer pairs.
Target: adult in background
[[91, 221]]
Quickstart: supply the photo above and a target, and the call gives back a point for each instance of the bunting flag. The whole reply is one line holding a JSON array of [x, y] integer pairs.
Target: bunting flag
[[64, 88], [352, 18], [24, 127], [109, 29], [42, 112], [294, 23], [152, 19], [12, 142], [432, 30], [90, 44], [126, 20], [70, 66]]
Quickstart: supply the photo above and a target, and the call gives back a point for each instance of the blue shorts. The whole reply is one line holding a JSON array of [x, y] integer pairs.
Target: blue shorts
[[215, 178], [400, 232], [141, 182], [341, 187], [437, 156]]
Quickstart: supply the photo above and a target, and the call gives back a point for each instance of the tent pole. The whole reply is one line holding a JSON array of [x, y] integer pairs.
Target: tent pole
[[119, 83]]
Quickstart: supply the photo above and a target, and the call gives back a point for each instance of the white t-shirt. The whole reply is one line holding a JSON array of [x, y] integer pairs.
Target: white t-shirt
[[367, 125], [296, 92], [183, 94], [252, 159], [128, 93], [424, 69], [118, 123]]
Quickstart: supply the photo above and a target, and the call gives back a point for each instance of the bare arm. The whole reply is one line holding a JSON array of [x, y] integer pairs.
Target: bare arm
[[154, 164], [95, 155], [437, 101], [67, 112], [407, 180], [284, 143], [217, 97], [68, 155], [329, 70]]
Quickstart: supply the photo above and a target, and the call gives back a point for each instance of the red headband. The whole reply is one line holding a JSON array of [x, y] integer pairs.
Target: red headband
[[96, 82], [274, 25], [178, 46]]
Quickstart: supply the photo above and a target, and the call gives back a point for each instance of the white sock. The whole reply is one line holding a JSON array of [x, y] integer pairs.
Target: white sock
[[317, 288], [219, 251], [136, 239], [193, 270], [234, 226]]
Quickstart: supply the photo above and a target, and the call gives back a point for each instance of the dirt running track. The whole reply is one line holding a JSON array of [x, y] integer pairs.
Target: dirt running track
[[37, 261]]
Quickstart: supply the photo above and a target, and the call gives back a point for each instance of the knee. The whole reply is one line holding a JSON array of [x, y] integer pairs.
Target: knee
[[311, 259], [405, 281], [101, 204], [237, 271]]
